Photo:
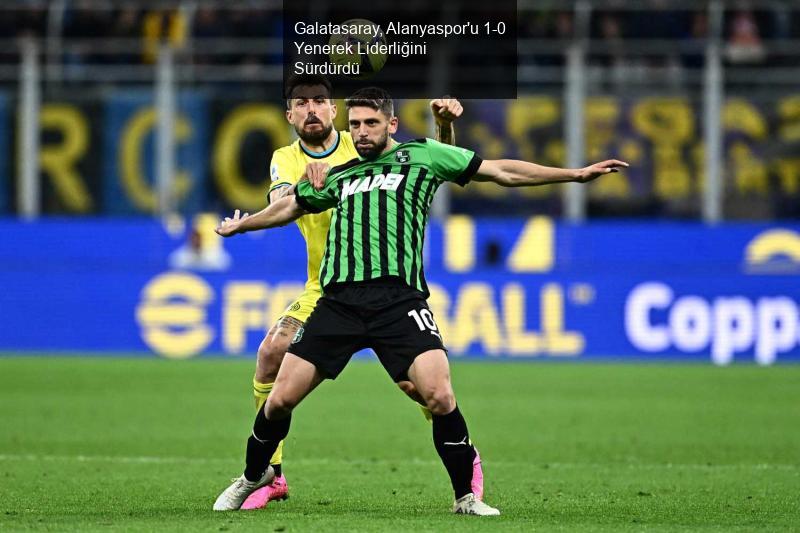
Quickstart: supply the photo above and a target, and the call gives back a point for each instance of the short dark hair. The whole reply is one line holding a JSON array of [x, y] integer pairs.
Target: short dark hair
[[305, 80], [374, 98]]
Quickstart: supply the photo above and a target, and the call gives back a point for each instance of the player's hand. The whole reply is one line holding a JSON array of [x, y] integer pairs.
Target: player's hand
[[230, 226], [316, 174], [598, 169], [446, 110]]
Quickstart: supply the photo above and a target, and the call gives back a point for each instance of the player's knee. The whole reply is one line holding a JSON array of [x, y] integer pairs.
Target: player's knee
[[270, 356], [441, 401], [279, 406]]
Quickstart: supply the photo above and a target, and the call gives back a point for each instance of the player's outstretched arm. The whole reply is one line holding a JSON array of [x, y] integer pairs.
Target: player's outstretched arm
[[513, 173], [279, 213], [280, 192], [445, 110]]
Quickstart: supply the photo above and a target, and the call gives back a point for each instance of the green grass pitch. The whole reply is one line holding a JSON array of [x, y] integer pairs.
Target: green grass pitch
[[145, 444]]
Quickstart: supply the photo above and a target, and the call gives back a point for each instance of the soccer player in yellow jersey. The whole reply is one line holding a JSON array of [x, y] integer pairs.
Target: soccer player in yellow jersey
[[311, 111]]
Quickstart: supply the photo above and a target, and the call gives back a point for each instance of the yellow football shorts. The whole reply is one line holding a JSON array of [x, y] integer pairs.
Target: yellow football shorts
[[301, 308]]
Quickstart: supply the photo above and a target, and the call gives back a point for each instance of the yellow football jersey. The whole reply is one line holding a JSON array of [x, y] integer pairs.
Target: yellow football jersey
[[286, 168]]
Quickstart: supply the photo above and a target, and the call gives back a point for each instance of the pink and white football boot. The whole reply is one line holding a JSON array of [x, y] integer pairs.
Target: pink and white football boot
[[276, 490]]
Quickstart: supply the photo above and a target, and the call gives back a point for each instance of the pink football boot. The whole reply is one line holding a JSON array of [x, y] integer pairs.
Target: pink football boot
[[477, 477], [279, 490]]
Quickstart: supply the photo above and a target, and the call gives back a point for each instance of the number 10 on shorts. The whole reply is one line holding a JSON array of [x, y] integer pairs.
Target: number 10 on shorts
[[424, 319]]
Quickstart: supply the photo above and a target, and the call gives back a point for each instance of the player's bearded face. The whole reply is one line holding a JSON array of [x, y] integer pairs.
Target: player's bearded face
[[314, 128], [312, 114], [370, 130], [371, 148]]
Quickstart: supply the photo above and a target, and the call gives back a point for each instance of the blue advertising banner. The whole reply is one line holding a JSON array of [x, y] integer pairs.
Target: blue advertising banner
[[129, 133], [511, 288]]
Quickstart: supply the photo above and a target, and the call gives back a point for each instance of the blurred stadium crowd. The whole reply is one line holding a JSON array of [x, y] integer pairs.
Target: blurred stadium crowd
[[746, 26], [150, 26], [645, 98], [745, 31]]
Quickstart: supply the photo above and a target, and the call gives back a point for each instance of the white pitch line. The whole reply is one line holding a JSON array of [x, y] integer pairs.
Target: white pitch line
[[149, 459]]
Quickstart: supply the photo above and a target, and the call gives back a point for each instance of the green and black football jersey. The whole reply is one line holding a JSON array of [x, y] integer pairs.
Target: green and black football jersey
[[378, 226]]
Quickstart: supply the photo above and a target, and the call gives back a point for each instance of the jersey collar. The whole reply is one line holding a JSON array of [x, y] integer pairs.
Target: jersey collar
[[326, 153]]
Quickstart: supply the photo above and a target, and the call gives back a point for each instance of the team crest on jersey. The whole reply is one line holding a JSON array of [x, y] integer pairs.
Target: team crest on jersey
[[402, 156]]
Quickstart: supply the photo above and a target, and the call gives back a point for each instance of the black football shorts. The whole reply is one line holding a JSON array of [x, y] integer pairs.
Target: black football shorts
[[397, 333]]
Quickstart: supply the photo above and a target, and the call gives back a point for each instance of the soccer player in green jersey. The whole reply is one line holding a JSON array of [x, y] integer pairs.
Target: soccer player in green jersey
[[374, 289]]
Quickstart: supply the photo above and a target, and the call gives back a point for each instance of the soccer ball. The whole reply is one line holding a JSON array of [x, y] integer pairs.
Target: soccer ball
[[369, 63]]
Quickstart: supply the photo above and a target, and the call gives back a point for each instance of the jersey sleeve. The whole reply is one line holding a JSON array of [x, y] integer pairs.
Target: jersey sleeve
[[281, 170], [315, 201], [453, 163]]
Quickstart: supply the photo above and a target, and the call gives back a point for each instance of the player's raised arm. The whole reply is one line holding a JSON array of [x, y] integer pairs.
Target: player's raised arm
[[445, 110], [279, 213], [513, 173]]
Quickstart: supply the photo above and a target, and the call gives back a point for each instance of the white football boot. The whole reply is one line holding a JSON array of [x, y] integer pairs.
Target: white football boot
[[234, 496], [469, 504]]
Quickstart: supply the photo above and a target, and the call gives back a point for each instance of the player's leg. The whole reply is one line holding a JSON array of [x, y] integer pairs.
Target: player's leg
[[295, 380], [320, 349], [430, 373], [409, 346], [477, 467], [270, 356]]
